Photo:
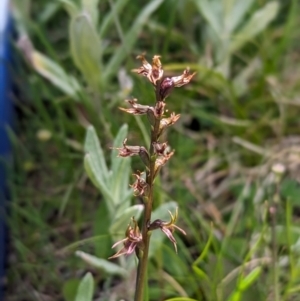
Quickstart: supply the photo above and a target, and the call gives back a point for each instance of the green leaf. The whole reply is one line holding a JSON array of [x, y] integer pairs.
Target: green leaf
[[86, 288], [181, 299], [250, 278], [130, 38], [93, 147], [92, 170], [290, 189], [236, 14], [70, 7], [121, 169], [91, 8], [101, 223], [201, 274], [205, 250], [242, 79], [86, 48], [70, 288], [116, 8], [257, 23], [211, 13], [123, 218], [55, 74], [106, 266], [95, 166]]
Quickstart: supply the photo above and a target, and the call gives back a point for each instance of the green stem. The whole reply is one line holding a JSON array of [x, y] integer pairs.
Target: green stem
[[275, 270], [148, 202]]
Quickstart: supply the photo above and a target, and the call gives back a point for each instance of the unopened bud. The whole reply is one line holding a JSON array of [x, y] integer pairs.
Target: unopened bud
[[166, 88]]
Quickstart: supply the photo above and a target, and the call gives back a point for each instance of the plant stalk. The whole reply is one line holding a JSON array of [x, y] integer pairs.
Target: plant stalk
[[148, 202]]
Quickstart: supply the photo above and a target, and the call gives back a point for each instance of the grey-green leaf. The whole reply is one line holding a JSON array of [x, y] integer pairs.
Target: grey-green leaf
[[70, 7], [120, 168], [55, 74], [236, 14], [91, 8], [86, 48], [123, 218], [257, 23], [93, 172], [93, 147], [116, 8], [106, 266], [85, 289], [209, 10]]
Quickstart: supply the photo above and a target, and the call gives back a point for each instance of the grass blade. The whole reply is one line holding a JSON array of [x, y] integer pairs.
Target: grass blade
[[130, 39]]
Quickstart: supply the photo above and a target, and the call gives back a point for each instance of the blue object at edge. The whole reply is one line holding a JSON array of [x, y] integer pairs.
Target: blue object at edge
[[5, 122]]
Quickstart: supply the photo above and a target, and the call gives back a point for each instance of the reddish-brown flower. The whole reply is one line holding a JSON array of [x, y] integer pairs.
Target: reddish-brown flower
[[183, 79], [153, 72], [132, 240], [140, 187], [137, 109], [129, 151], [160, 148], [165, 122], [162, 160], [168, 227]]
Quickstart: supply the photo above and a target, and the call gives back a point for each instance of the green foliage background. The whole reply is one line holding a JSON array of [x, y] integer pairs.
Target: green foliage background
[[239, 125]]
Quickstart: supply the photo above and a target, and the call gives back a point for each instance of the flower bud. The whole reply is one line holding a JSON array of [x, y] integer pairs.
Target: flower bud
[[159, 148], [140, 187], [166, 88]]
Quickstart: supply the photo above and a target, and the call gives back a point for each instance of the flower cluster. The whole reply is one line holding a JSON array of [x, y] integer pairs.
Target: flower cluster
[[159, 153]]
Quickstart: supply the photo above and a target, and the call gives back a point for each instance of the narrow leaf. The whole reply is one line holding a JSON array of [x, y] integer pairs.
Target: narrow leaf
[[105, 265], [86, 288], [55, 74], [250, 278], [123, 218], [93, 147], [257, 23], [116, 8], [70, 7], [92, 171], [86, 48], [236, 14], [130, 38], [120, 169], [211, 14], [181, 299], [91, 8]]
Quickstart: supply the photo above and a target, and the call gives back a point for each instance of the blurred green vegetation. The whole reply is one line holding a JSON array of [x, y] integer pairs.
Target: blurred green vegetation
[[235, 172]]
